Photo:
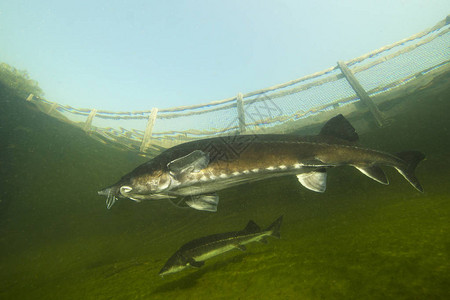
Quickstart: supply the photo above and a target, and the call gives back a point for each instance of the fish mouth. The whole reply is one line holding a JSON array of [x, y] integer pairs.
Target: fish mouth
[[110, 196]]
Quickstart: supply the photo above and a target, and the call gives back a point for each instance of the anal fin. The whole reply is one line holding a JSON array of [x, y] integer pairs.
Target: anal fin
[[206, 202], [315, 181], [374, 172]]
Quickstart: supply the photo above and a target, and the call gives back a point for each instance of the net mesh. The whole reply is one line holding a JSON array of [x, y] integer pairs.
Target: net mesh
[[378, 73]]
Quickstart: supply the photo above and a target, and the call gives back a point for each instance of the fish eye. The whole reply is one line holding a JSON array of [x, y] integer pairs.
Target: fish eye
[[125, 189]]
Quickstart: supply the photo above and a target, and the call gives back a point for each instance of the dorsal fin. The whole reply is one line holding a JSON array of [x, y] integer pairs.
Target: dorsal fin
[[252, 227], [340, 127]]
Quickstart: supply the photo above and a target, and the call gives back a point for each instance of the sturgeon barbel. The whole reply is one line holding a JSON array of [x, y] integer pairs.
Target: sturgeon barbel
[[196, 170], [194, 253]]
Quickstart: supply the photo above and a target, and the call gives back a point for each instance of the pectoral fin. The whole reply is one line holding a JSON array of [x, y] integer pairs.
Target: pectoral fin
[[196, 264], [193, 162], [315, 181], [206, 202]]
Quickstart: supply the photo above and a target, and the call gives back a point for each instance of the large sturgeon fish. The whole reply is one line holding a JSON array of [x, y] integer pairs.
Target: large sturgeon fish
[[196, 170]]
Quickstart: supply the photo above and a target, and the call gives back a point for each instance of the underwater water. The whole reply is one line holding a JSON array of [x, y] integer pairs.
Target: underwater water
[[358, 240]]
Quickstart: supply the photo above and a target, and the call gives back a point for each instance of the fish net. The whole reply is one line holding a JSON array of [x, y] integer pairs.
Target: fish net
[[383, 74]]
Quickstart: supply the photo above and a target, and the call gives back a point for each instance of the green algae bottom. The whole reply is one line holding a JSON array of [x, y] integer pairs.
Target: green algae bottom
[[358, 240]]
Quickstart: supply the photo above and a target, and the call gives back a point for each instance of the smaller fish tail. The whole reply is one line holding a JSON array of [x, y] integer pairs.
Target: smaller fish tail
[[274, 228], [411, 159]]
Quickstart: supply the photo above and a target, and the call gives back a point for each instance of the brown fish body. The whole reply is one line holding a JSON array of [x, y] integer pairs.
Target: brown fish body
[[200, 168]]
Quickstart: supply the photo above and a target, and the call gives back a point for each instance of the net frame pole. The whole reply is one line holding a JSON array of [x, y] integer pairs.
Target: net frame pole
[[88, 124], [241, 112], [361, 93], [52, 108], [148, 130]]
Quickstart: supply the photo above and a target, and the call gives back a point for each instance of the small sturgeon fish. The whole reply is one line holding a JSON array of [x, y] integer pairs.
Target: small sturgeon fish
[[194, 253], [197, 170]]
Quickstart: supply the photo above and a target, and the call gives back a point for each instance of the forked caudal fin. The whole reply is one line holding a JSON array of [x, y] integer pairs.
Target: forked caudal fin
[[411, 159], [274, 228]]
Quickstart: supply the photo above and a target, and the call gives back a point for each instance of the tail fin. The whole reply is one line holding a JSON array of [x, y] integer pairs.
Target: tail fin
[[274, 228], [411, 159]]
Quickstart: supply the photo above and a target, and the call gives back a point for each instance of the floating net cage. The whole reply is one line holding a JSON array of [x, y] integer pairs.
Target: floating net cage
[[360, 84]]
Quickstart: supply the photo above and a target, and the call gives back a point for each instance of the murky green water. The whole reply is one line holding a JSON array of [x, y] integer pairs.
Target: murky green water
[[359, 240]]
